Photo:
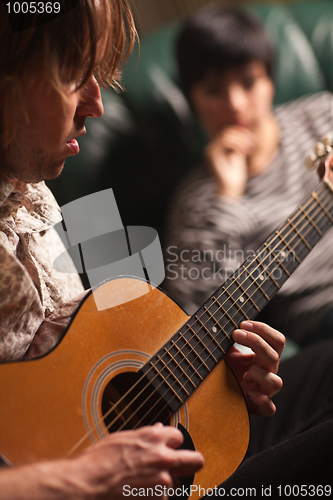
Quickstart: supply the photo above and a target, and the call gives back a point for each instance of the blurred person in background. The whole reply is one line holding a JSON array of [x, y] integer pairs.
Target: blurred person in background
[[252, 175]]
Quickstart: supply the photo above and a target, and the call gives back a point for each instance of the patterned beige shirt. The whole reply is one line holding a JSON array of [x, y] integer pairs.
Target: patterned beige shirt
[[30, 289]]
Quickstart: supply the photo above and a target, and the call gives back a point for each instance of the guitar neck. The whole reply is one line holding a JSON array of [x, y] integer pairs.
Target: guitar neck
[[179, 367]]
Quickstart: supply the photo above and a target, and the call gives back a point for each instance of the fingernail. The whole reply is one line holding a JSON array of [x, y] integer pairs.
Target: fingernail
[[239, 335], [247, 326], [252, 394]]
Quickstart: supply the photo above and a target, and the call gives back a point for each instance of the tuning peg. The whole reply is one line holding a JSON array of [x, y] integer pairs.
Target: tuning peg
[[310, 161], [327, 140], [319, 149]]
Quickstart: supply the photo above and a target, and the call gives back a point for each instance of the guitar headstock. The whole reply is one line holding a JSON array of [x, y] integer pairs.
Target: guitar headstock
[[322, 159]]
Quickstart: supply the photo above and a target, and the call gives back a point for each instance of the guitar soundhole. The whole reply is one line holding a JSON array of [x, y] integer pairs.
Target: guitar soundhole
[[129, 402]]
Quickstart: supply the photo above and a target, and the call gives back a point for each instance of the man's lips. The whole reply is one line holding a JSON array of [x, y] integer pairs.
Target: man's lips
[[74, 145]]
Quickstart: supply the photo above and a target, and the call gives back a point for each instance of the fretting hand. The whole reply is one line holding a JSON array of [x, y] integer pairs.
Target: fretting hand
[[257, 371]]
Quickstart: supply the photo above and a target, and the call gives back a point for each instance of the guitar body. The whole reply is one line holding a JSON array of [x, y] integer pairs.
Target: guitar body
[[52, 407]]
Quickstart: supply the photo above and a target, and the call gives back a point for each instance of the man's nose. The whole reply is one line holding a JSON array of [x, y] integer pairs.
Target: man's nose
[[91, 100]]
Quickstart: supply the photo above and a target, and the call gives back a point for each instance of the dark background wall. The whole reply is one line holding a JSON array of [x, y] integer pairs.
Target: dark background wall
[[150, 14]]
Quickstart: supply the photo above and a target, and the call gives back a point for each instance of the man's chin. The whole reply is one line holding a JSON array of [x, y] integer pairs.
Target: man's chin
[[54, 172]]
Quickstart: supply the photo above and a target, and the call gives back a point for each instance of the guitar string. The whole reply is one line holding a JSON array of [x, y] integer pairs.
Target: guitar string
[[203, 324], [111, 409], [211, 342], [156, 416], [303, 218], [207, 334], [155, 377]]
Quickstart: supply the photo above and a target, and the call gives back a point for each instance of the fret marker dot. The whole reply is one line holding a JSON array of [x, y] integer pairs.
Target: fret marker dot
[[214, 329], [261, 277], [241, 299]]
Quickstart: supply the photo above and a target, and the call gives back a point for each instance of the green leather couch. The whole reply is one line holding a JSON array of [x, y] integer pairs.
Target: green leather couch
[[148, 139]]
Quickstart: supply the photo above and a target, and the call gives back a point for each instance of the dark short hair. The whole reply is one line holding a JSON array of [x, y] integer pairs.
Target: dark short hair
[[217, 39]]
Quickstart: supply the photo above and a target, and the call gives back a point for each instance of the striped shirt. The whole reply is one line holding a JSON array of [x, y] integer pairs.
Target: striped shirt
[[209, 235]]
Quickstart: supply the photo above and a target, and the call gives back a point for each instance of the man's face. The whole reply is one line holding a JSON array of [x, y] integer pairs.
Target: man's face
[[42, 144], [241, 97]]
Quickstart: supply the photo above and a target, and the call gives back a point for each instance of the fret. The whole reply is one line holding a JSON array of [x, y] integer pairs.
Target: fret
[[310, 220], [166, 366], [284, 241], [326, 208], [203, 326], [220, 307], [205, 347], [279, 259], [230, 296], [248, 298], [224, 309], [280, 263], [254, 280], [293, 250], [165, 381], [241, 297], [218, 324], [212, 336], [299, 234], [263, 264], [269, 274], [317, 200], [240, 300], [179, 366], [192, 366], [271, 277], [253, 289], [183, 355], [196, 351], [198, 356], [221, 325]]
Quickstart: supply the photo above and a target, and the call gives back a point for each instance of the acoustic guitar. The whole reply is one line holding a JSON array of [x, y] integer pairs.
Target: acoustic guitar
[[142, 359]]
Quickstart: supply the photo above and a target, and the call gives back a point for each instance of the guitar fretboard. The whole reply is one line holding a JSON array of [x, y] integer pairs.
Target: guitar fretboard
[[181, 365]]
